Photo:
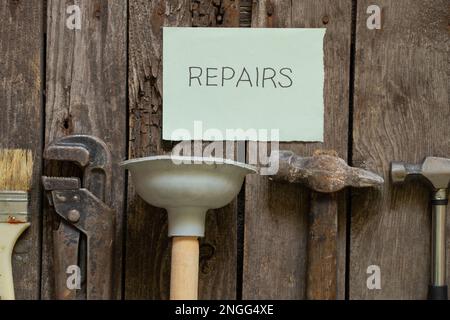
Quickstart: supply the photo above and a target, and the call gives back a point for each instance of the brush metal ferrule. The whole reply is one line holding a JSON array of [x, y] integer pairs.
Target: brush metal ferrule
[[14, 207]]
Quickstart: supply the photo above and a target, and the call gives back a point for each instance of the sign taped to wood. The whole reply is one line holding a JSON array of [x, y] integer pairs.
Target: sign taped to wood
[[243, 84]]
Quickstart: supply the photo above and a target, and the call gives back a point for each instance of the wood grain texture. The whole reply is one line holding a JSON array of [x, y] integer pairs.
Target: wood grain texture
[[184, 268], [276, 213], [148, 247], [401, 112], [21, 64], [147, 270], [321, 278], [86, 94], [245, 15]]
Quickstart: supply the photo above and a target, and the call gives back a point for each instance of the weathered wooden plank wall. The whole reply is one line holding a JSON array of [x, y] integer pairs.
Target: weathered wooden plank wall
[[401, 112], [147, 255], [21, 65], [148, 247], [276, 213], [86, 94], [254, 248]]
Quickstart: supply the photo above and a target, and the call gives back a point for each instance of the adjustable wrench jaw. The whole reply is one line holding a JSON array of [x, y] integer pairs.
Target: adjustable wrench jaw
[[89, 153], [83, 149], [83, 208]]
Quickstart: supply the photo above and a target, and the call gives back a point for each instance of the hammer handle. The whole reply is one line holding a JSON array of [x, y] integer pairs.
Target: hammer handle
[[437, 292], [438, 287], [322, 247], [184, 269]]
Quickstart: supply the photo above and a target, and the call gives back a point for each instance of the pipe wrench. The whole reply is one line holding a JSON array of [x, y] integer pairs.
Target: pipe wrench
[[85, 233]]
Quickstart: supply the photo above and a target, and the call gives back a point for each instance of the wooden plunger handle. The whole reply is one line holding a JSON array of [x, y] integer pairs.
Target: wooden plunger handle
[[322, 251], [184, 270]]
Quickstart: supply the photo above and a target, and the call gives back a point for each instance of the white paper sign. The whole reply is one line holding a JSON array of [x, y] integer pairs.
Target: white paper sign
[[219, 80]]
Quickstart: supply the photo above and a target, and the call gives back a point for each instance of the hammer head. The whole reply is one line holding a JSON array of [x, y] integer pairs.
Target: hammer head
[[434, 170], [323, 172]]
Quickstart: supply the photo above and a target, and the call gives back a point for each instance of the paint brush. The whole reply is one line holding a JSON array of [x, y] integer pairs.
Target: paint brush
[[16, 168]]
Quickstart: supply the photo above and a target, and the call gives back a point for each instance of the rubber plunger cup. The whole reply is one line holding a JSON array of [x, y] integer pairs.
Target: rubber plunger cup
[[187, 187]]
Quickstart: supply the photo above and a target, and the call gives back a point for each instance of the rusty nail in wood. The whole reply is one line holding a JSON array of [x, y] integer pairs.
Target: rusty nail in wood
[[270, 9]]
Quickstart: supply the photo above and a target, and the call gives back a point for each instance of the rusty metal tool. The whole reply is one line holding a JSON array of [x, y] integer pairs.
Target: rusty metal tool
[[84, 208], [325, 174], [436, 173]]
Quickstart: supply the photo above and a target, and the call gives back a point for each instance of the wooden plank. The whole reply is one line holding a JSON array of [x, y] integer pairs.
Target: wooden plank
[[21, 65], [245, 15], [321, 278], [401, 112], [86, 94], [276, 213], [218, 250], [148, 247]]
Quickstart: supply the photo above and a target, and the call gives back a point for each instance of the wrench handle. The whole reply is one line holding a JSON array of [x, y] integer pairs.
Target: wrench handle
[[9, 233]]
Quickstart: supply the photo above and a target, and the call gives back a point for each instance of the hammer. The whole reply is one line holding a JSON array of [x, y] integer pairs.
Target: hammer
[[436, 173], [325, 174]]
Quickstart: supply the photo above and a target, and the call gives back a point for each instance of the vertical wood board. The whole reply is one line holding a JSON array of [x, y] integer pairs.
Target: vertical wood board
[[401, 112], [86, 94], [276, 213], [21, 111], [148, 247]]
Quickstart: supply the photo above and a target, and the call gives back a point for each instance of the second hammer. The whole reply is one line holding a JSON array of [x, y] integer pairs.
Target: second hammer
[[325, 174]]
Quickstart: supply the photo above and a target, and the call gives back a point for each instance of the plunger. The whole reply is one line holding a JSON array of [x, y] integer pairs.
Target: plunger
[[187, 187]]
